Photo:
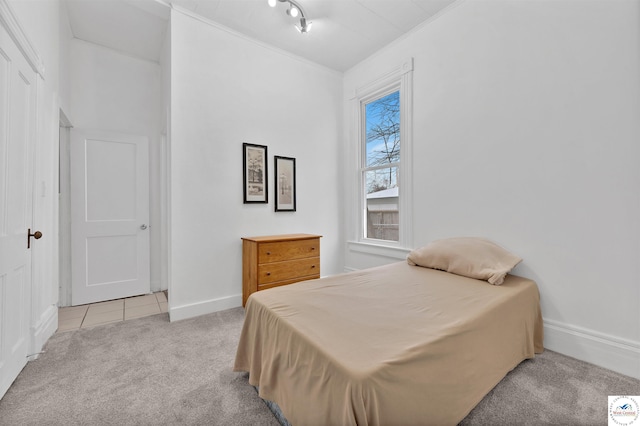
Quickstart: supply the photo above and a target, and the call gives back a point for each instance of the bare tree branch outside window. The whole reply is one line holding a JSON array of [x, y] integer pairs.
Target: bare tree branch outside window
[[383, 141]]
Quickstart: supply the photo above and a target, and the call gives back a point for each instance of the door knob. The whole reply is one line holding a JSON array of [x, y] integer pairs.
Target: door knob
[[143, 226], [37, 235]]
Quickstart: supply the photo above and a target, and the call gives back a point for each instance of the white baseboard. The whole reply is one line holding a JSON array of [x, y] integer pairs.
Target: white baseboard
[[614, 353], [43, 330], [178, 313]]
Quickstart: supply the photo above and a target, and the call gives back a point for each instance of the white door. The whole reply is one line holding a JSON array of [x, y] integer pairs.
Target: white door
[[17, 127], [109, 216]]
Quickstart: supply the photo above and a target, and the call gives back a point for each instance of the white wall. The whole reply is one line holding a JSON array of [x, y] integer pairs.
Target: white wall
[[116, 92], [165, 157], [65, 37], [64, 203], [526, 132], [226, 90]]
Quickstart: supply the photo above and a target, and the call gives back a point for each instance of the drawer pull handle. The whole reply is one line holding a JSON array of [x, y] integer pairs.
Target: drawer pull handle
[[313, 266], [313, 248], [268, 253], [268, 273]]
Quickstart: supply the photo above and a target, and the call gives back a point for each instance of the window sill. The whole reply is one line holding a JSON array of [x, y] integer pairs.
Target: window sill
[[399, 253]]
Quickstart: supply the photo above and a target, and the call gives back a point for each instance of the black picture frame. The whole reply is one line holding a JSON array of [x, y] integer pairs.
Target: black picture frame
[[285, 183], [255, 173]]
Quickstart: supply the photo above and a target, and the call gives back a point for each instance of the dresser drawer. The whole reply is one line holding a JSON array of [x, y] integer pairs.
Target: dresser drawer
[[275, 260], [286, 250], [280, 271], [286, 282]]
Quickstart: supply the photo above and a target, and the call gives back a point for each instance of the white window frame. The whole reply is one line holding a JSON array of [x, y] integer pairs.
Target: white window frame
[[400, 78]]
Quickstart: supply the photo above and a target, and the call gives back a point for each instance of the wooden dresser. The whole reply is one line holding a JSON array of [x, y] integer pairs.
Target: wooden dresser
[[276, 260]]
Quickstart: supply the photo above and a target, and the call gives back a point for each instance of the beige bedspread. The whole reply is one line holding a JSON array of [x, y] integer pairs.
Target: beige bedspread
[[393, 345]]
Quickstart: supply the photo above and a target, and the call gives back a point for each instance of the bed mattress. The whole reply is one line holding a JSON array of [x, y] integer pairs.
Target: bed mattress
[[397, 344]]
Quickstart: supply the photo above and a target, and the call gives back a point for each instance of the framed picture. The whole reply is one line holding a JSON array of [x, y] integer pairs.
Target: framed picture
[[254, 160], [285, 177]]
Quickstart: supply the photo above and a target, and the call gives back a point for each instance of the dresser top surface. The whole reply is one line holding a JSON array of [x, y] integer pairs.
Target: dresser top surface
[[283, 237]]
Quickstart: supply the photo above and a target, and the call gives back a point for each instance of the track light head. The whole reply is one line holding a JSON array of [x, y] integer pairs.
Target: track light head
[[304, 26], [294, 10]]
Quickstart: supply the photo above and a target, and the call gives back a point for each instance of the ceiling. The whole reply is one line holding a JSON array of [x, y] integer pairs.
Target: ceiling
[[344, 32]]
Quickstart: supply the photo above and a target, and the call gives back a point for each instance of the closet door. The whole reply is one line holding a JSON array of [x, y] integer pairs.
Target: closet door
[[17, 131]]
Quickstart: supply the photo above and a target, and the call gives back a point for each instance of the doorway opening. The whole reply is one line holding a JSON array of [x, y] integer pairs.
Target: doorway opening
[[103, 215]]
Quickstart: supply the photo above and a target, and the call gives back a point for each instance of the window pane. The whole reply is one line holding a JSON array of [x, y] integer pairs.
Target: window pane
[[382, 204], [382, 129], [380, 180]]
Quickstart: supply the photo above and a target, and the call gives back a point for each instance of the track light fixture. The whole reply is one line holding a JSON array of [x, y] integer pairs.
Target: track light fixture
[[294, 10]]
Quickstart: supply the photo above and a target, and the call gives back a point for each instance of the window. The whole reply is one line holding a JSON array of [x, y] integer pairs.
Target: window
[[382, 133]]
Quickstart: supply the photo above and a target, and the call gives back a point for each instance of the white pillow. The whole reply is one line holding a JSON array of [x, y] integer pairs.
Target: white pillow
[[468, 256]]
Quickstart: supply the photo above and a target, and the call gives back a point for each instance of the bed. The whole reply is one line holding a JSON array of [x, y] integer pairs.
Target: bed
[[398, 344]]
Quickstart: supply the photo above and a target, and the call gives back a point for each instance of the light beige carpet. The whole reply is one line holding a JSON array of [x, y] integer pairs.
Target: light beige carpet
[[152, 372]]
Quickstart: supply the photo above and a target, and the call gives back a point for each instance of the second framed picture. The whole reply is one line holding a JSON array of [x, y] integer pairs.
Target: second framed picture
[[285, 178]]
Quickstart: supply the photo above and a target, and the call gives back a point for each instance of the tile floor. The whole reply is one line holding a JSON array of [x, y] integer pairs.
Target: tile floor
[[83, 316]]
